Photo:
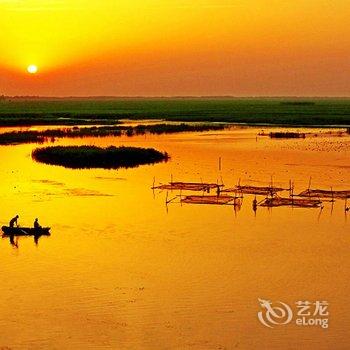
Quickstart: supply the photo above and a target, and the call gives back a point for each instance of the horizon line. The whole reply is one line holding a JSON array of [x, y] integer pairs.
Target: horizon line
[[172, 97]]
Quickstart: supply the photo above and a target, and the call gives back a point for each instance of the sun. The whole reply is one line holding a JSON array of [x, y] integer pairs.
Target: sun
[[32, 69]]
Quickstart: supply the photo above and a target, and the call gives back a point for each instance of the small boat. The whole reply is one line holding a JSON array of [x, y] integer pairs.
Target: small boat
[[26, 231]]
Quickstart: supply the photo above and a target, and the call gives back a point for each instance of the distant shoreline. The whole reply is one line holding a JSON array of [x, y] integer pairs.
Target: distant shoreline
[[175, 97]]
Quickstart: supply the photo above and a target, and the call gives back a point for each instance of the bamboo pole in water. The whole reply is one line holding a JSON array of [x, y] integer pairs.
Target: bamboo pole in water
[[309, 185]]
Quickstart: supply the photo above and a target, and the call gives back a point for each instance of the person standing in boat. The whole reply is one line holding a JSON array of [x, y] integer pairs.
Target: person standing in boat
[[36, 224], [14, 221]]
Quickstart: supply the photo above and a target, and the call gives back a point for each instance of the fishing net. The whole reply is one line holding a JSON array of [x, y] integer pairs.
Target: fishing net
[[325, 194], [189, 186], [221, 200], [291, 202]]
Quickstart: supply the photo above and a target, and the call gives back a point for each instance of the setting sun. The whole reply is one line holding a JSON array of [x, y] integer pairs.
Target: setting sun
[[32, 69]]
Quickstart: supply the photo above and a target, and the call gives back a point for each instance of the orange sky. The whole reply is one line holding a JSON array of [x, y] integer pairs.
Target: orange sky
[[175, 47]]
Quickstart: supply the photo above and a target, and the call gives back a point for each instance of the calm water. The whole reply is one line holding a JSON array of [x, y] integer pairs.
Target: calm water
[[123, 271]]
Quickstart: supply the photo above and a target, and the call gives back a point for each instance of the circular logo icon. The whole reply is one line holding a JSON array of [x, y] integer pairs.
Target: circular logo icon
[[272, 315]]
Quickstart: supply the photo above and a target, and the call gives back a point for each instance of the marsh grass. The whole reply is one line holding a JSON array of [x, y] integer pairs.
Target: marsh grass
[[17, 137], [14, 138], [287, 135]]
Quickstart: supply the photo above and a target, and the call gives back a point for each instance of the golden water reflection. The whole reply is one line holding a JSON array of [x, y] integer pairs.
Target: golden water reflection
[[123, 271]]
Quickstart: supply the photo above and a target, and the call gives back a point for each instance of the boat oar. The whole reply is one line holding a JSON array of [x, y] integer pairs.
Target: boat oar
[[24, 232]]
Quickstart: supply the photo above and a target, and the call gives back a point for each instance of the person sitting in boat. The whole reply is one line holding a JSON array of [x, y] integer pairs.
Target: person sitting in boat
[[36, 224], [14, 221]]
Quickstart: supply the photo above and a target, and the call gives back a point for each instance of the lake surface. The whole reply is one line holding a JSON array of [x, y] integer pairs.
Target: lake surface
[[122, 270]]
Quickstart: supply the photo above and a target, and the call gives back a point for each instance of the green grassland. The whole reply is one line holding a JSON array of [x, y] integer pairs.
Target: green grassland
[[258, 111]]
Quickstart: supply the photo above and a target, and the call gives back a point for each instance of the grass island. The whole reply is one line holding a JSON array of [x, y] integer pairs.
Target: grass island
[[88, 157]]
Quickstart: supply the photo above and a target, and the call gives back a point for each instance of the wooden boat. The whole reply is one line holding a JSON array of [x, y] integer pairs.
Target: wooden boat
[[26, 231]]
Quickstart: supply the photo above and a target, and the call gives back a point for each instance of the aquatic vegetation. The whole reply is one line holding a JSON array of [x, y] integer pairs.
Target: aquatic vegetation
[[68, 119], [287, 135], [17, 137], [294, 134], [174, 128], [86, 157], [14, 138]]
